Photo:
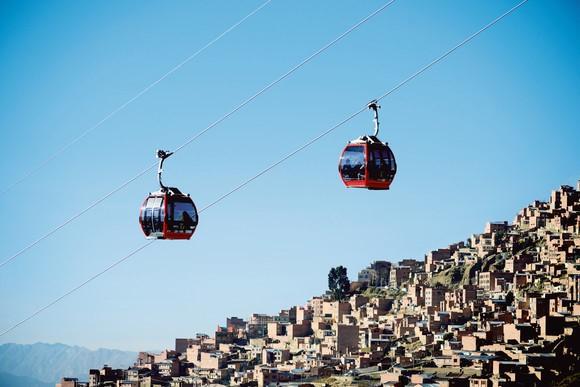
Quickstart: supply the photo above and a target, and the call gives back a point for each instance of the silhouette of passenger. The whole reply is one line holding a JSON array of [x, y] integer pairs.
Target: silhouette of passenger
[[187, 219], [347, 169]]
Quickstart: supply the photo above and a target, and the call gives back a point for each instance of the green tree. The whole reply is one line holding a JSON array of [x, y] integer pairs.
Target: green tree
[[338, 282]]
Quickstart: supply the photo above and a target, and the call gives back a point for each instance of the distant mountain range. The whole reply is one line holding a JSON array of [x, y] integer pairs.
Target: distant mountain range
[[9, 380], [42, 365]]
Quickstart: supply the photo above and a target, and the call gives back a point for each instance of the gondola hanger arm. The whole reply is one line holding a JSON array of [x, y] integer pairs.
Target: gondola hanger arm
[[162, 155], [374, 105]]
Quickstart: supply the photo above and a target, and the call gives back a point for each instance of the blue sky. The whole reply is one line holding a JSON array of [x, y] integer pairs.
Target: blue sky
[[477, 137]]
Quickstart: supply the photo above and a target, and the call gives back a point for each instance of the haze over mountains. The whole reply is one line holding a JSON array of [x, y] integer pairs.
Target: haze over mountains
[[42, 365], [10, 380]]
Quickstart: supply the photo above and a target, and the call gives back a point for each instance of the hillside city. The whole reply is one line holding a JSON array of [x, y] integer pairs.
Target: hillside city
[[499, 309]]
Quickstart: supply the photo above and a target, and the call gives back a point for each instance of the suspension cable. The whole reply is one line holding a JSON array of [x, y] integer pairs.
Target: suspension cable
[[131, 100], [237, 188], [90, 279], [212, 125], [364, 108]]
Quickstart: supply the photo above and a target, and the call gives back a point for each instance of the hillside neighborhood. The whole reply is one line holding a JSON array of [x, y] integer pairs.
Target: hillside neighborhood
[[501, 308]]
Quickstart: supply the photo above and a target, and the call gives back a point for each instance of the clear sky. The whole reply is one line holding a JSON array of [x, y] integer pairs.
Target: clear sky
[[477, 137]]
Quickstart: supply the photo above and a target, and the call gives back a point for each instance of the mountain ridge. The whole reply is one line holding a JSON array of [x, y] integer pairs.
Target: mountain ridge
[[48, 362], [10, 380]]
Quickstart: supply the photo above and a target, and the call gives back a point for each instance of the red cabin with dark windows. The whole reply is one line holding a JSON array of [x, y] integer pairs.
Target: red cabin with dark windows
[[168, 215], [367, 163]]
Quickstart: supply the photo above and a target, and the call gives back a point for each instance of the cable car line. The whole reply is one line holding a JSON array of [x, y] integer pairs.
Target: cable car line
[[364, 108], [307, 144], [212, 125], [90, 279], [288, 73], [76, 216], [131, 100]]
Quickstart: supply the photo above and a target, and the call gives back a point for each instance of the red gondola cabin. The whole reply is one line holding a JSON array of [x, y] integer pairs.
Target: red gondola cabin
[[367, 162], [167, 213]]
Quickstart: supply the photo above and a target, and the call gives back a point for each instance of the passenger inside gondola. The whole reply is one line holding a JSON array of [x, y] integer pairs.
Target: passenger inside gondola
[[184, 216], [352, 163], [382, 164]]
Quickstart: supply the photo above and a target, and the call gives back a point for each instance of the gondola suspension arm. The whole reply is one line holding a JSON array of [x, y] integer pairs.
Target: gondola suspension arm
[[162, 155], [374, 105]]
